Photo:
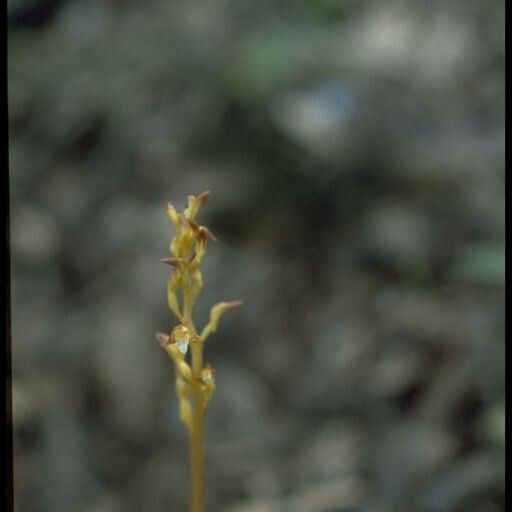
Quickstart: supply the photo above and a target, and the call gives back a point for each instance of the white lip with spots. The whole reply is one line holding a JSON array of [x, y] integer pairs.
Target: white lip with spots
[[182, 344]]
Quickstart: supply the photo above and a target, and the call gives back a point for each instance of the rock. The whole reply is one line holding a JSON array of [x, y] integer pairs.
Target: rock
[[399, 238], [64, 451], [334, 451], [106, 503], [242, 404], [465, 483], [328, 496], [410, 313], [398, 370], [493, 423], [34, 341], [129, 368], [337, 363], [407, 453], [321, 119], [24, 407], [257, 506], [159, 481], [82, 23], [67, 193], [31, 13], [35, 236]]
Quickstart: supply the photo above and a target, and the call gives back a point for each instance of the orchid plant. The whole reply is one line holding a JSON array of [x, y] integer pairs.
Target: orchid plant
[[195, 380]]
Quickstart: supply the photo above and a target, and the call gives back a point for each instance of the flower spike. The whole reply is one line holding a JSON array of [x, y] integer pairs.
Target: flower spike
[[195, 382]]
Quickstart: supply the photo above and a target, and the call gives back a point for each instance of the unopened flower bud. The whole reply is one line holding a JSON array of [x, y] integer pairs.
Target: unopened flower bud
[[174, 262], [173, 214], [163, 339], [216, 312]]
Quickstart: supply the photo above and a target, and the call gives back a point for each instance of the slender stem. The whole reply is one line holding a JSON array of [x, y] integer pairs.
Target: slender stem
[[196, 433], [187, 305], [197, 455], [196, 427]]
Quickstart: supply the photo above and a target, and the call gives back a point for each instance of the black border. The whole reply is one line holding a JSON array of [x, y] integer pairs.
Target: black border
[[9, 470]]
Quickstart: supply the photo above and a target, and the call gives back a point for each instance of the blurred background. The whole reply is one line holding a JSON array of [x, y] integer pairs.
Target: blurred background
[[354, 154]]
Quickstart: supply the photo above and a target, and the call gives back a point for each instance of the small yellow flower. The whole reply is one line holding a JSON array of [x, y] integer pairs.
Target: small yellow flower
[[181, 336], [207, 373]]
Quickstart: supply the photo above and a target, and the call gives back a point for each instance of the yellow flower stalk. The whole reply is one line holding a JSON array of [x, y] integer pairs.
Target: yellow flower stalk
[[195, 380]]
